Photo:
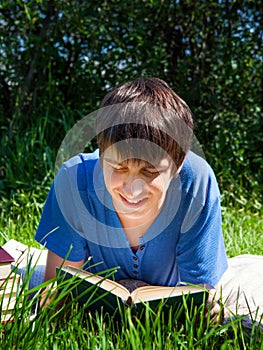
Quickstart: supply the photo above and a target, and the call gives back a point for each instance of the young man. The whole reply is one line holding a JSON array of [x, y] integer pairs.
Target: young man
[[142, 201]]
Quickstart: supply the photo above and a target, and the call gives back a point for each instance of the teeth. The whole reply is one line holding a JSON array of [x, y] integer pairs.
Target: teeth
[[133, 201]]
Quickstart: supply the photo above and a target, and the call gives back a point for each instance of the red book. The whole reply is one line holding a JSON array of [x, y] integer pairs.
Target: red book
[[5, 257], [5, 263]]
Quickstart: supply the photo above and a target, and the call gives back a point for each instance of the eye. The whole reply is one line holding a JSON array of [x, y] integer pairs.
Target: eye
[[118, 169], [150, 173]]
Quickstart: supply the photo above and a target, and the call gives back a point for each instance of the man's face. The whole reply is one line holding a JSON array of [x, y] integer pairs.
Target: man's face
[[137, 188]]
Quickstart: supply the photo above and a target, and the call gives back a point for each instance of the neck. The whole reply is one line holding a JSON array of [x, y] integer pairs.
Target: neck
[[134, 229]]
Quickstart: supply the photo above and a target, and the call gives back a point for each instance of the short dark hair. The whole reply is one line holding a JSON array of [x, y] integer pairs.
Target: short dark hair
[[149, 110]]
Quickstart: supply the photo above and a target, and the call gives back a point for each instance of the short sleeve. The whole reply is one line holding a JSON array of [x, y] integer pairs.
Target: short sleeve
[[57, 229], [201, 255]]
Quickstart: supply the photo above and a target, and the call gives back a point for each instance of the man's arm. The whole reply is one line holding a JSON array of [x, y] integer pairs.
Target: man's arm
[[54, 261]]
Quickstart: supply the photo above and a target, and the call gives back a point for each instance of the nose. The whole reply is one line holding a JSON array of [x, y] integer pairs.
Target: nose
[[133, 187]]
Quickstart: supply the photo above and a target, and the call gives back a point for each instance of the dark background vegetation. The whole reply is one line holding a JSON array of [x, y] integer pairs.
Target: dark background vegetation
[[59, 58]]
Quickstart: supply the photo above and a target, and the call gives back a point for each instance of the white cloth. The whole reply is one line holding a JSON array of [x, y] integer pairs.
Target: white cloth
[[242, 286]]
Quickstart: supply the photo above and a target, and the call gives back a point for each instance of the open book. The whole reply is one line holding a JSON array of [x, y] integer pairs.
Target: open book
[[97, 291]]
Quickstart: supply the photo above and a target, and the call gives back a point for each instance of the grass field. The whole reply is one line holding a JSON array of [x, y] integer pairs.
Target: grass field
[[20, 213], [19, 218]]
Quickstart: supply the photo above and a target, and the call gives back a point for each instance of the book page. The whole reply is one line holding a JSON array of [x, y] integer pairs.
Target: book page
[[106, 284], [148, 293], [132, 284], [10, 287], [143, 293]]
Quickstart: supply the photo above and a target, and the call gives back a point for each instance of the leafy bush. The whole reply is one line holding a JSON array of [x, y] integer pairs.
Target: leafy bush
[[59, 58]]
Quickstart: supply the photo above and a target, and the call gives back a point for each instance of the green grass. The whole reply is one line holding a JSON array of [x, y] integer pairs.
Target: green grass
[[242, 231], [27, 177], [70, 327], [19, 218]]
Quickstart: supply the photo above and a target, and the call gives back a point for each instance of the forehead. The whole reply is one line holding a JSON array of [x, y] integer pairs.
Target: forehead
[[113, 156]]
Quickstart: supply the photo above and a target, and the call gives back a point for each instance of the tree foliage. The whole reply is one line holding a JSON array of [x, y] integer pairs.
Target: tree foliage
[[58, 58]]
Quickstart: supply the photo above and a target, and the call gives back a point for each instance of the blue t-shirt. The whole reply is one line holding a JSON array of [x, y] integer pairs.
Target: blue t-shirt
[[184, 243]]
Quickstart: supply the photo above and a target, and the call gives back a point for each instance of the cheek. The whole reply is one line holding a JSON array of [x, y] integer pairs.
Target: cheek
[[161, 184], [111, 179], [158, 185]]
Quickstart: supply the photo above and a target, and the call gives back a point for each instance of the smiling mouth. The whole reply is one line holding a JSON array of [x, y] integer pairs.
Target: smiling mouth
[[133, 202]]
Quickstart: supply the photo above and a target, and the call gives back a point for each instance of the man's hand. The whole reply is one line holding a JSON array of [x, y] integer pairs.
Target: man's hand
[[214, 309], [48, 294]]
